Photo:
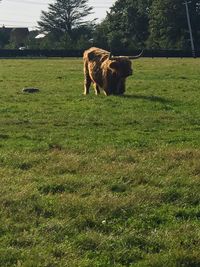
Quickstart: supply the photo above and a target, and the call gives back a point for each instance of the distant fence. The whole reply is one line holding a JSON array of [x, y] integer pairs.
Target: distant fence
[[170, 53], [159, 53], [14, 53], [10, 53]]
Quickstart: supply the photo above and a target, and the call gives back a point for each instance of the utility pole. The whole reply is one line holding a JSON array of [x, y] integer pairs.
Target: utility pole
[[189, 26]]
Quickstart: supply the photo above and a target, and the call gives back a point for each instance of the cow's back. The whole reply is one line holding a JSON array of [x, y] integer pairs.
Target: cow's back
[[95, 54], [94, 60]]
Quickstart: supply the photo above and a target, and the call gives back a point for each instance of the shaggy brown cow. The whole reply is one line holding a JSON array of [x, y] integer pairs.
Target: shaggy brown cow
[[105, 71]]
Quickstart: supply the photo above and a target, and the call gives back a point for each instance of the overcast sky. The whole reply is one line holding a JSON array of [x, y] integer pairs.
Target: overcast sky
[[26, 13]]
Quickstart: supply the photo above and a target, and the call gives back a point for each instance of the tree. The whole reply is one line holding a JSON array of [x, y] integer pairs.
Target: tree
[[100, 35], [194, 9], [158, 24], [127, 23], [64, 16], [4, 37], [168, 24]]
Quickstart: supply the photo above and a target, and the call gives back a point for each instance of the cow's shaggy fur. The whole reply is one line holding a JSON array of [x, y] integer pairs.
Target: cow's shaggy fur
[[103, 72]]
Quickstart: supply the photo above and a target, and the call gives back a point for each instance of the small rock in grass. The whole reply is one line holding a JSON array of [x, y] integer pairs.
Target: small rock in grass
[[30, 90]]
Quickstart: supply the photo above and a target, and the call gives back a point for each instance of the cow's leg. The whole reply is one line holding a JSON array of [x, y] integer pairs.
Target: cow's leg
[[87, 83], [87, 80], [96, 89], [107, 86], [121, 87], [107, 92]]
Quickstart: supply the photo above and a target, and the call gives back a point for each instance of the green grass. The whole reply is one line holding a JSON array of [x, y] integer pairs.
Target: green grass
[[99, 181]]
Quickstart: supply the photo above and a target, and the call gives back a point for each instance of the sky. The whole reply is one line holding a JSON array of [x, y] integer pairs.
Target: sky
[[26, 13]]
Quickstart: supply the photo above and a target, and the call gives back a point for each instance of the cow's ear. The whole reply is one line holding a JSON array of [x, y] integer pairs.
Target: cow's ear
[[114, 65]]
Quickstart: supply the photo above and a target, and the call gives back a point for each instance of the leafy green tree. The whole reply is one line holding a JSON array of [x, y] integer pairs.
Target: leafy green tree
[[100, 34], [83, 36], [168, 24], [149, 23], [194, 9], [128, 22], [64, 16]]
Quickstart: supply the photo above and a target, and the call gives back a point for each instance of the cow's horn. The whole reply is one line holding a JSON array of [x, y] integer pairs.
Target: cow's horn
[[130, 57], [135, 57], [111, 57]]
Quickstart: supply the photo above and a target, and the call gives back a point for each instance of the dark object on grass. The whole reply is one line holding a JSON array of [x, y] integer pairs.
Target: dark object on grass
[[30, 90]]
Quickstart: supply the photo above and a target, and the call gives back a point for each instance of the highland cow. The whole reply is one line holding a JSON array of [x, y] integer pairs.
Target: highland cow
[[105, 71]]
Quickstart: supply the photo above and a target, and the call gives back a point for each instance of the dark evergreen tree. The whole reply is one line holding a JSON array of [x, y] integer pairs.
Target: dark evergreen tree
[[64, 16]]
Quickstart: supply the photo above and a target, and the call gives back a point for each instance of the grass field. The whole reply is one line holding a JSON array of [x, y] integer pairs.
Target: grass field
[[95, 180]]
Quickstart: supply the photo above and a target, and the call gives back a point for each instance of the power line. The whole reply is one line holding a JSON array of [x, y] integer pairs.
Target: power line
[[44, 4], [11, 23], [25, 2]]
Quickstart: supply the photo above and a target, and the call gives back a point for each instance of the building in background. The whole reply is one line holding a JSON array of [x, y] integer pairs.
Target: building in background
[[13, 37]]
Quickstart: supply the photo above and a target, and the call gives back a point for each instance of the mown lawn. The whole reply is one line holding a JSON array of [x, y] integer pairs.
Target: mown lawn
[[95, 180]]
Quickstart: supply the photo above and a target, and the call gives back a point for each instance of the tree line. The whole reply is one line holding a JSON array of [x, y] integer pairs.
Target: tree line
[[130, 24]]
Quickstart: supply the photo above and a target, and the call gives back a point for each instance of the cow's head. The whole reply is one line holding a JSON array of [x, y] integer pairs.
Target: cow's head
[[122, 64]]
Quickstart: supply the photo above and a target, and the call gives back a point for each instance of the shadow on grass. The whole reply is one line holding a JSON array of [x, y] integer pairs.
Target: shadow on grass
[[150, 98]]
